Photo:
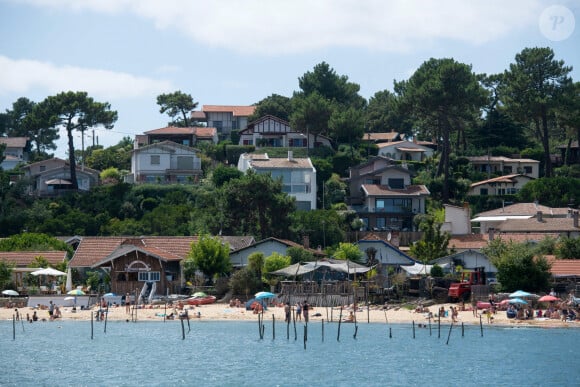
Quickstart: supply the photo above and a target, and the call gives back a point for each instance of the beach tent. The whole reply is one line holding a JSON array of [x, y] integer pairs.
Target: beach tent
[[347, 267]]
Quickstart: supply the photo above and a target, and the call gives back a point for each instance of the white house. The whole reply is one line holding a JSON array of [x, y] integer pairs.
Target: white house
[[274, 132], [298, 175], [469, 260], [404, 150], [15, 152], [502, 185], [165, 162], [505, 166]]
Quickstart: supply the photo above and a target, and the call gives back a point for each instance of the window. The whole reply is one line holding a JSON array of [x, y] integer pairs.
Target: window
[[394, 205], [507, 169], [381, 223], [373, 181], [42, 168], [145, 276], [218, 125], [528, 170], [155, 159], [483, 191], [248, 142], [397, 183]]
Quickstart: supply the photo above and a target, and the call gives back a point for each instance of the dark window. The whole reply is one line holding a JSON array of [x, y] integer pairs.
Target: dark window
[[483, 191], [397, 183]]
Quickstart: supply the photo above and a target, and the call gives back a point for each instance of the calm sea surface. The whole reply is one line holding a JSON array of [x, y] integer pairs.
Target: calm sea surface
[[232, 354]]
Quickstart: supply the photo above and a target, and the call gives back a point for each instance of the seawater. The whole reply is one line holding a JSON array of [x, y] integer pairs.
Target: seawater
[[233, 354]]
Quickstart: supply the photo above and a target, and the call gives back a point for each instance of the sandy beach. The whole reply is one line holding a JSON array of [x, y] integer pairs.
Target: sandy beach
[[223, 312]]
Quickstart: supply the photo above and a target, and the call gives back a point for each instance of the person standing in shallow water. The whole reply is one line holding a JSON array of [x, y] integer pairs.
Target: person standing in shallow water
[[127, 303], [298, 311], [287, 312]]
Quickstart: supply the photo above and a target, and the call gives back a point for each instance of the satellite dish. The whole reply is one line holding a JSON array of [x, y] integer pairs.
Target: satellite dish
[[389, 236]]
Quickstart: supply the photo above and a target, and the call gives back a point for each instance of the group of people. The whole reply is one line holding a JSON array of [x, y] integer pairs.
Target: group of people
[[302, 310]]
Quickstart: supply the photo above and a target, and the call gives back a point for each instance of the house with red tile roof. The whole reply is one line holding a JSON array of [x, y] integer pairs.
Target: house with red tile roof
[[226, 118], [190, 136], [460, 243], [377, 138], [21, 260], [270, 131], [137, 263], [564, 267]]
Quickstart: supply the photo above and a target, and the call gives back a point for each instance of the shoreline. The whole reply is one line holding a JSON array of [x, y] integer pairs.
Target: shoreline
[[223, 312]]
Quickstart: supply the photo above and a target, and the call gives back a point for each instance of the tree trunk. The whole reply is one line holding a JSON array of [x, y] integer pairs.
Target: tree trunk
[[546, 143], [71, 156]]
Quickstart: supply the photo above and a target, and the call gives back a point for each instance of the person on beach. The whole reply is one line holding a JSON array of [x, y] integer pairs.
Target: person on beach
[[305, 310], [51, 310], [34, 317], [57, 313], [298, 311], [17, 314], [473, 305]]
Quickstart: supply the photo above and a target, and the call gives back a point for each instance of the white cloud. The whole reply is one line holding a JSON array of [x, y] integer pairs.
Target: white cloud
[[22, 76], [280, 26]]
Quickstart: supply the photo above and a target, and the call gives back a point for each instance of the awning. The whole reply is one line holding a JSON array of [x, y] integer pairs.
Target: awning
[[58, 182], [410, 149], [500, 218]]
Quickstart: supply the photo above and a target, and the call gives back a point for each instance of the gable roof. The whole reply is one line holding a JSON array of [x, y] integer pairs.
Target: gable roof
[[166, 145], [372, 238], [14, 142], [286, 242], [383, 190], [478, 241], [384, 136], [59, 164], [200, 131], [25, 258], [536, 225], [498, 159], [502, 179], [281, 163], [564, 267], [524, 209], [92, 250], [237, 111], [404, 145]]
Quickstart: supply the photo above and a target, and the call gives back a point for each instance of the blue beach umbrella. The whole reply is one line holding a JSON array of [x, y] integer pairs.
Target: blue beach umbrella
[[263, 295], [517, 301], [519, 294]]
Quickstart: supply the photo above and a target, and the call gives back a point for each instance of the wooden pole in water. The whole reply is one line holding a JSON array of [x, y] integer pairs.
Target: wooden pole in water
[[368, 313], [182, 329], [259, 327], [323, 330], [273, 327], [390, 333], [91, 325], [439, 327], [106, 317], [481, 325], [429, 324], [413, 328], [288, 329], [165, 311], [135, 320], [294, 319], [339, 321], [188, 324], [13, 327], [462, 330], [449, 335], [305, 334]]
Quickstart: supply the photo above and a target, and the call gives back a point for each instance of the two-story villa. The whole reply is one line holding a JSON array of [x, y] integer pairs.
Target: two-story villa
[[382, 195], [298, 175], [501, 165], [272, 131], [227, 118]]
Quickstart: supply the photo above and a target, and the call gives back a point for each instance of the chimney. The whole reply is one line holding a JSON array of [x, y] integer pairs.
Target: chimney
[[290, 155], [575, 218], [539, 216], [306, 241], [491, 233]]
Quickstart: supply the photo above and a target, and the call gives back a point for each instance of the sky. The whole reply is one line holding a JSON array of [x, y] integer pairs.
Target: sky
[[234, 52]]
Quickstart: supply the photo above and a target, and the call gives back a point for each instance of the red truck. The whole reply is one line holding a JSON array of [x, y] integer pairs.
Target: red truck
[[462, 290]]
